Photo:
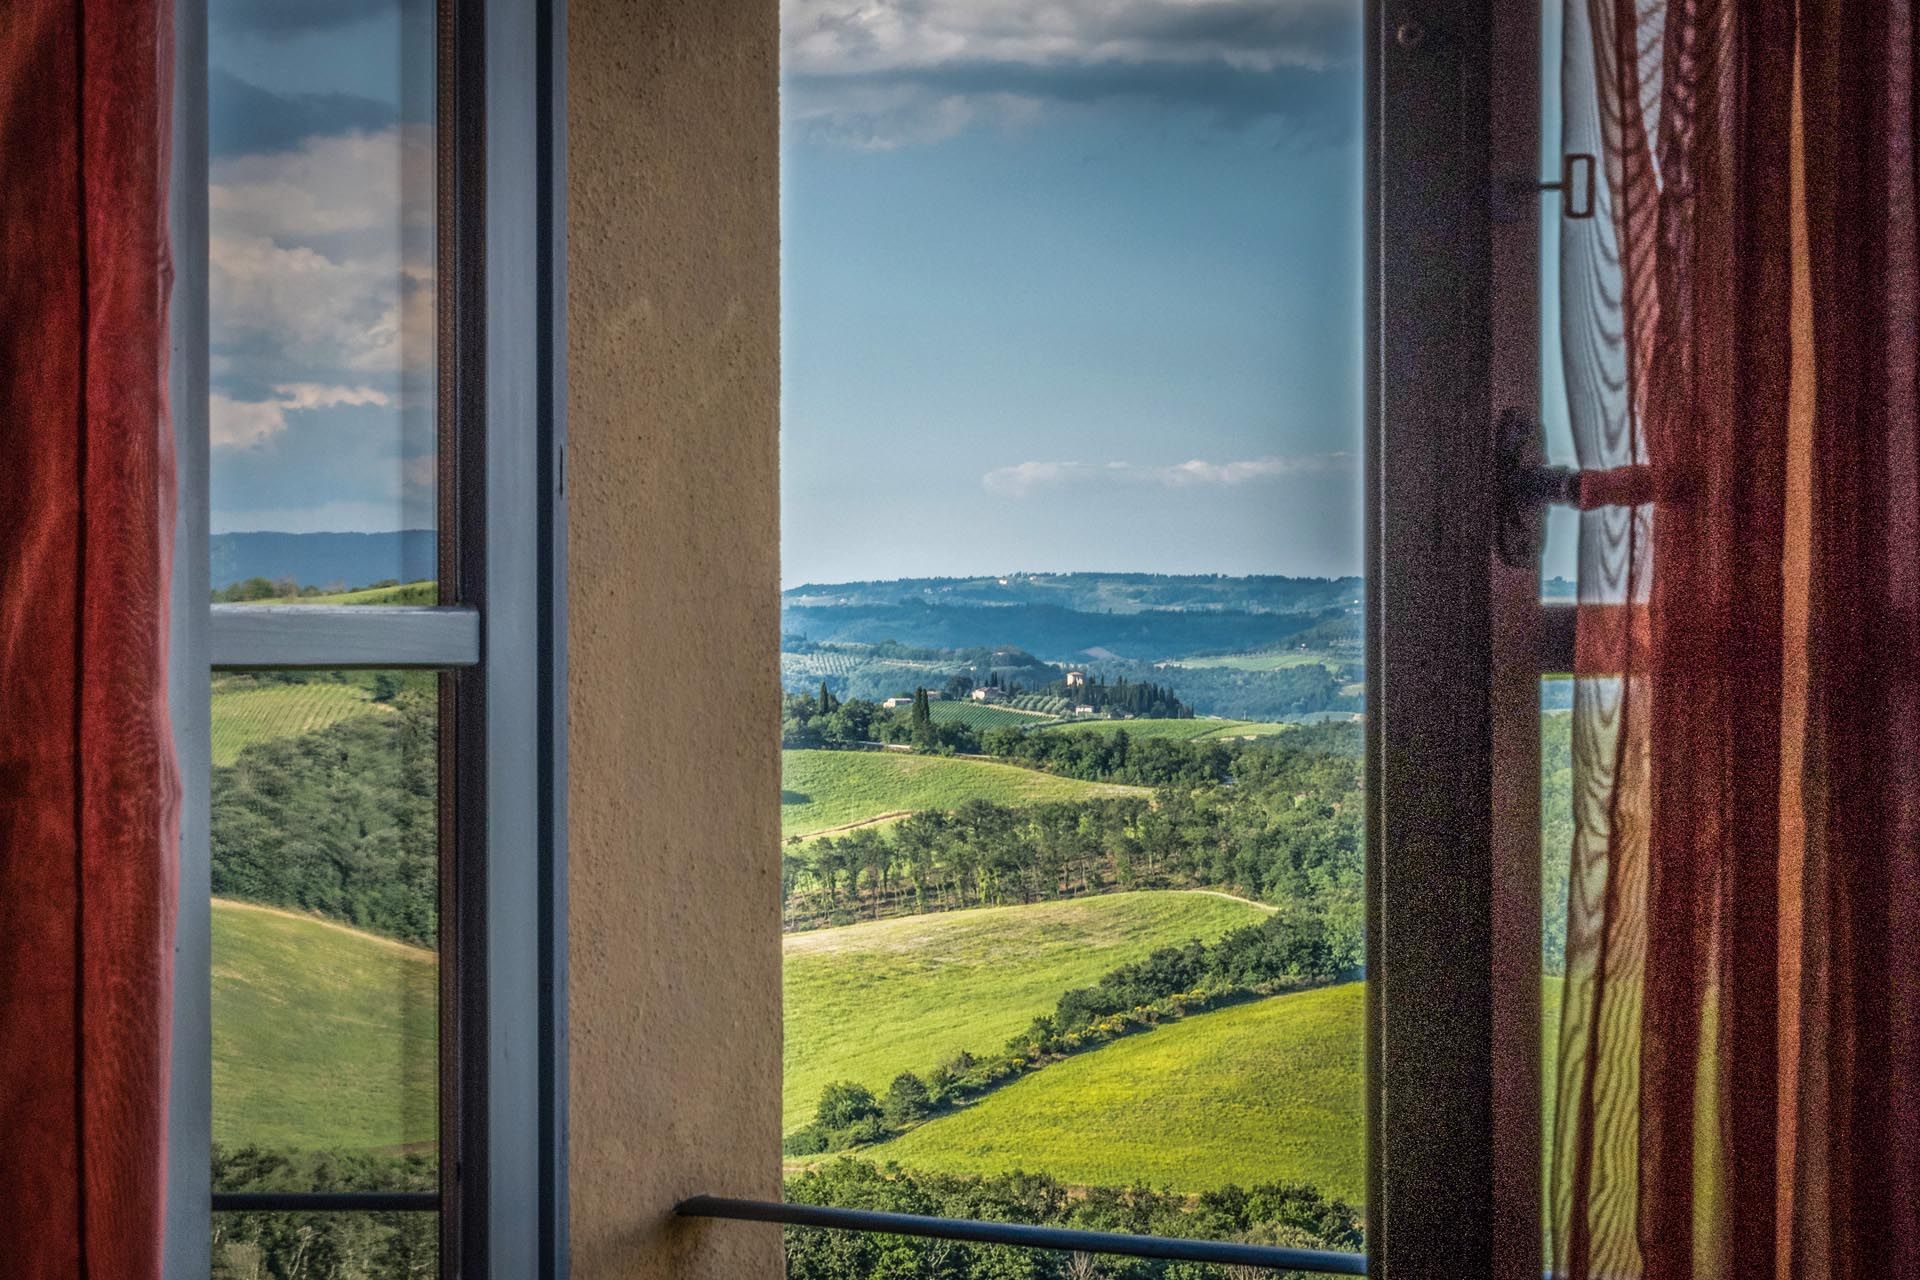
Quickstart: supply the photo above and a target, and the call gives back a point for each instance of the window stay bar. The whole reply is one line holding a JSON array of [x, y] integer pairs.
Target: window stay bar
[[1061, 1239]]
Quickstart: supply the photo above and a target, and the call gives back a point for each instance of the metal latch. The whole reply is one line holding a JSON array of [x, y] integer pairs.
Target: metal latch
[[1579, 176]]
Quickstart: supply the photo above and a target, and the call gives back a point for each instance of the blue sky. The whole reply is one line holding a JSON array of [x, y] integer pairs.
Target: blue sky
[[321, 264], [1066, 286], [1071, 286]]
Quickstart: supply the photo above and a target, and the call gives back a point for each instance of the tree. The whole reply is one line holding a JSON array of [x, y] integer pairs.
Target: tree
[[907, 1099], [844, 1104]]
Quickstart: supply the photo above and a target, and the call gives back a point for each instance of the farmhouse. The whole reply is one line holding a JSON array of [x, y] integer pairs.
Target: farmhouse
[[892, 703], [1075, 679], [987, 694]]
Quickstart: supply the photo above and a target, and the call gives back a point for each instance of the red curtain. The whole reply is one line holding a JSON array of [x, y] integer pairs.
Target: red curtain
[[88, 790], [1738, 1087]]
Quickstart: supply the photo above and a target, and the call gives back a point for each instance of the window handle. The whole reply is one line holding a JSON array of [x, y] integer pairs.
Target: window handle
[[1525, 486]]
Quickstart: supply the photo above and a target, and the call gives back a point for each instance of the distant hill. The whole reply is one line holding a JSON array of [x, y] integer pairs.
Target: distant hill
[[1048, 630], [339, 560], [1120, 593]]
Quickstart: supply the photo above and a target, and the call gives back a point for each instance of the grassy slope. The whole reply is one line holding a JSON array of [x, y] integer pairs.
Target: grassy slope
[[425, 592], [323, 1036], [1262, 1092], [1195, 730], [871, 1000], [822, 789], [1254, 1093], [1265, 660], [245, 713]]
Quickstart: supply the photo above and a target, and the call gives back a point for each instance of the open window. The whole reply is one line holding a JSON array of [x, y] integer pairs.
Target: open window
[[370, 973]]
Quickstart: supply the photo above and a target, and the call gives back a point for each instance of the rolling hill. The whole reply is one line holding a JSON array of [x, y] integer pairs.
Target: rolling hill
[[826, 790], [1262, 1092], [868, 1001], [324, 1037], [246, 710]]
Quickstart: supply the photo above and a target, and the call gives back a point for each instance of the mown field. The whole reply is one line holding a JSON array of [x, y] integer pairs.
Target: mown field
[[821, 790], [1195, 730], [424, 592], [246, 711], [1266, 660], [869, 1001], [975, 715], [324, 1037], [1262, 1092]]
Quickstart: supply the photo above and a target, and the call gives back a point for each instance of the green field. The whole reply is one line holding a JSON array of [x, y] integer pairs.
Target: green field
[[1266, 660], [1194, 730], [1263, 1092], [323, 1036], [246, 711], [426, 591], [869, 1001], [824, 790], [977, 715]]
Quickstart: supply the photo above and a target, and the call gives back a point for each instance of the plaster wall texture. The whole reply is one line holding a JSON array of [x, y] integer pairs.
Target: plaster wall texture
[[673, 545]]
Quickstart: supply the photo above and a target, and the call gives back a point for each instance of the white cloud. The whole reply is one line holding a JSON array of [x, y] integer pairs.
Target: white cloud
[[877, 74], [321, 258], [843, 37], [247, 424], [1023, 478]]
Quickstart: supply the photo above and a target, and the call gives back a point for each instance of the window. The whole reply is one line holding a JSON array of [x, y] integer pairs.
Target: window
[[367, 1076], [1073, 801], [981, 241]]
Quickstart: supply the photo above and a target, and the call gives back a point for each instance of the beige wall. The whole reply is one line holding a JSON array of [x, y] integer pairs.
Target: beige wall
[[673, 311]]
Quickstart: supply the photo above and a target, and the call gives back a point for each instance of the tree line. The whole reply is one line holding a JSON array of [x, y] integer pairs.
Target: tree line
[[324, 1246], [1291, 949], [1278, 819], [1289, 1215]]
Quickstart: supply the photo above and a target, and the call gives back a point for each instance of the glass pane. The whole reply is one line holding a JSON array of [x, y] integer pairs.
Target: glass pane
[[322, 293], [325, 908], [1071, 811], [326, 1246]]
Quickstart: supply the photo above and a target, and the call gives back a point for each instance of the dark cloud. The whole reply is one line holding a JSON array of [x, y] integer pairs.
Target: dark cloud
[[248, 120], [291, 17]]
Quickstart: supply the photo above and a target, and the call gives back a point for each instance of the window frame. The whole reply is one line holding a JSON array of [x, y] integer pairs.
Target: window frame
[[500, 629], [1456, 642]]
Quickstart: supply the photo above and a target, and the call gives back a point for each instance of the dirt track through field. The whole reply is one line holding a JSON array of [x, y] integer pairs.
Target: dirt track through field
[[875, 820]]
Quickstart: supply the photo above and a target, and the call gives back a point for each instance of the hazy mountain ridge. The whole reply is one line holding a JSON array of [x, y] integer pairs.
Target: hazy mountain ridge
[[332, 560]]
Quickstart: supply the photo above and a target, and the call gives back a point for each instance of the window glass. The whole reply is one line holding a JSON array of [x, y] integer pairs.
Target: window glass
[[340, 1246], [1072, 663], [324, 930], [321, 276]]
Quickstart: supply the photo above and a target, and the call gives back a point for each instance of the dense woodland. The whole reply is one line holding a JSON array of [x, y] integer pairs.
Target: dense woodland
[[1287, 1215], [342, 821]]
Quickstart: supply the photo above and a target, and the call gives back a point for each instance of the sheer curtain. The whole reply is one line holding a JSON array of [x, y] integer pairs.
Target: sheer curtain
[[88, 791], [1739, 1070]]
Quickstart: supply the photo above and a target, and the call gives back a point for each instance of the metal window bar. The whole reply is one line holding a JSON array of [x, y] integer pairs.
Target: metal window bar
[[326, 1201], [1058, 1239]]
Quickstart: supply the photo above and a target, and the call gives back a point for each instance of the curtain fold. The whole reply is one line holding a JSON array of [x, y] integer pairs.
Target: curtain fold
[[88, 789], [1740, 1037]]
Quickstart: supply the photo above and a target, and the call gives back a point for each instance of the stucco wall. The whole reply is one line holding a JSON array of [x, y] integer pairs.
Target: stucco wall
[[673, 311]]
